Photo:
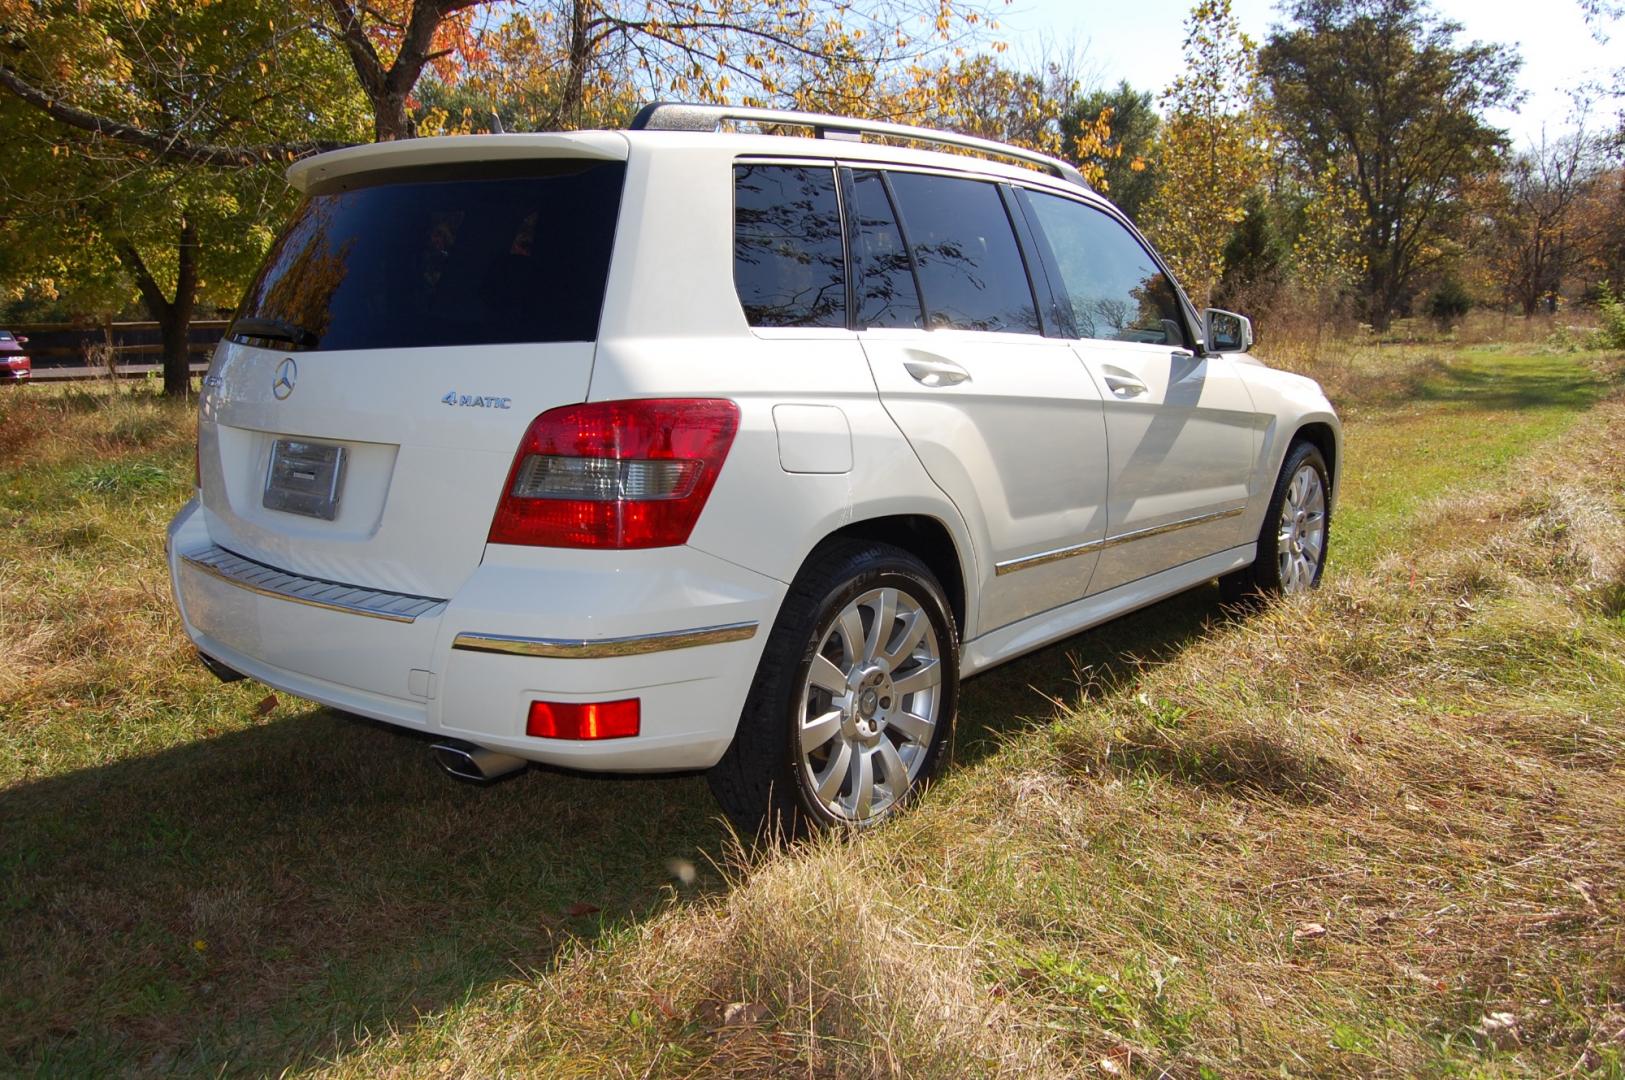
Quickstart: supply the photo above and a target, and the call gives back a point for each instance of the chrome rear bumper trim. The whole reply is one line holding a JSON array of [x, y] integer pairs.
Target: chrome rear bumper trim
[[264, 580], [587, 649]]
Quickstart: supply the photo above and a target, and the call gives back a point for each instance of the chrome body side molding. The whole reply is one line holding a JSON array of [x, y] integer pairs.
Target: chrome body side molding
[[1010, 566], [599, 648]]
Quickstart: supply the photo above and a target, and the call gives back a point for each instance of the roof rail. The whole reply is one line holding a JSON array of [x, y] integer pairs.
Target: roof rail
[[681, 116]]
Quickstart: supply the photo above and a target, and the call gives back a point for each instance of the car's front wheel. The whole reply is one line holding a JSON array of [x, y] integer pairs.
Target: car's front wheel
[[1293, 542], [854, 698]]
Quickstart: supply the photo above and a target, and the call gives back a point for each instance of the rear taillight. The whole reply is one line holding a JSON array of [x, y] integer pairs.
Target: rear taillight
[[615, 474], [583, 719]]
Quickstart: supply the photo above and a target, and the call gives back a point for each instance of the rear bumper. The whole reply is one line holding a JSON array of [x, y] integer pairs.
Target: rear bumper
[[680, 630]]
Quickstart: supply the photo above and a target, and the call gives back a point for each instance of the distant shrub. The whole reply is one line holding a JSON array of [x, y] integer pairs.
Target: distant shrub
[[1449, 303], [1611, 330]]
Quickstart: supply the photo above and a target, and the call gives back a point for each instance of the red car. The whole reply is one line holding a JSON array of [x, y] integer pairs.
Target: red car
[[15, 366]]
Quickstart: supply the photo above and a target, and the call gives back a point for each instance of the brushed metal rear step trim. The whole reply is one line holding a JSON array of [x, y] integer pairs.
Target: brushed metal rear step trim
[[263, 580]]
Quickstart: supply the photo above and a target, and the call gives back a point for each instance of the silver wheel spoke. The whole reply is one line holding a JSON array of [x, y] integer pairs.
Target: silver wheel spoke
[[916, 729], [851, 628], [896, 771], [863, 790], [834, 774], [924, 677], [880, 629], [918, 624], [826, 676], [816, 733]]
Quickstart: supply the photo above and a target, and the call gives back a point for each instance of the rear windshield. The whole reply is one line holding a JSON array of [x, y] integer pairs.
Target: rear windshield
[[434, 259]]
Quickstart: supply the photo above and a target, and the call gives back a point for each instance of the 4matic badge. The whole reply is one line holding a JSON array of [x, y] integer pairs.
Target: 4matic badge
[[476, 401]]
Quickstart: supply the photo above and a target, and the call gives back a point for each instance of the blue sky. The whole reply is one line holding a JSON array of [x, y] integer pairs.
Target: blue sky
[[1139, 41]]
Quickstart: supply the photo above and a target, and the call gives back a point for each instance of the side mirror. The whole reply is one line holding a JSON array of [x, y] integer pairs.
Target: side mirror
[[1226, 331], [22, 339]]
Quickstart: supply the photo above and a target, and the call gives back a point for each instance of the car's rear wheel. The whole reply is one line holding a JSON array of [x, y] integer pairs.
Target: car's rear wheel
[[854, 698], [1293, 542]]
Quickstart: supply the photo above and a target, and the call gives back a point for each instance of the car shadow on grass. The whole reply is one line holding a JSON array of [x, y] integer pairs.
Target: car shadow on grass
[[261, 900], [1011, 698], [255, 900]]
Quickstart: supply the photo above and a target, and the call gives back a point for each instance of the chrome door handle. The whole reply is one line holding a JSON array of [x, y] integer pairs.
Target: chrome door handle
[[1125, 385], [936, 372]]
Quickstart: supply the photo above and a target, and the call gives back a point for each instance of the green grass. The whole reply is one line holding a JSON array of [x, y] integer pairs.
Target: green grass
[[1470, 420], [196, 878]]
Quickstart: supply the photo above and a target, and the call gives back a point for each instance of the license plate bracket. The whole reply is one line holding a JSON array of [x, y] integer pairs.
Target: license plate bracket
[[305, 478]]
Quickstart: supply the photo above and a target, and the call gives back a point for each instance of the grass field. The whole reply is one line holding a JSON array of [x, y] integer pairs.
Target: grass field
[[1379, 832]]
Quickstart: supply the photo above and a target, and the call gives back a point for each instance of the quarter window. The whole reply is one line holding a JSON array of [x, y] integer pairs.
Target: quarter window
[[789, 266], [970, 268], [887, 295], [1113, 286]]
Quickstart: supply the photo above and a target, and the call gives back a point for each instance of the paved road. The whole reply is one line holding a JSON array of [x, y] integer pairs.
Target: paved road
[[125, 371]]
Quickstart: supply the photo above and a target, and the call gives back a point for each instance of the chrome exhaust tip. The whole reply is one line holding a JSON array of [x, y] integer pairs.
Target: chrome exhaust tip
[[475, 764]]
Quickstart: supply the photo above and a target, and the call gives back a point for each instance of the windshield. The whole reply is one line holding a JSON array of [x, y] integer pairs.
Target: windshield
[[442, 258]]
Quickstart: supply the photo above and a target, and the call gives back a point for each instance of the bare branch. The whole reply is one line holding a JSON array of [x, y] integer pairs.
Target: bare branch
[[171, 147]]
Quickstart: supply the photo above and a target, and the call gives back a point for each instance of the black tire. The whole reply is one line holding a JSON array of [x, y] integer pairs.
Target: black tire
[[1263, 578], [759, 782]]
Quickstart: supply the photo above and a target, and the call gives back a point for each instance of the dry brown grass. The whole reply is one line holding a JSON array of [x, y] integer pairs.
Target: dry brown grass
[[93, 473], [1349, 836], [1377, 832]]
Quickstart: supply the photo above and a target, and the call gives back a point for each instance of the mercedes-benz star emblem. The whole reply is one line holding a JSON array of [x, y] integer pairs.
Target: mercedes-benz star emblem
[[287, 373]]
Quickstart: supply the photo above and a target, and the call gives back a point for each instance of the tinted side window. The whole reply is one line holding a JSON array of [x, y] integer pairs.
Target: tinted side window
[[886, 294], [789, 266], [969, 265], [1112, 284]]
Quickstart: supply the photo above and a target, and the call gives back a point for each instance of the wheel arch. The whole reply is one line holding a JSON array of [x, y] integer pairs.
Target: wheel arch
[[927, 538], [1324, 437]]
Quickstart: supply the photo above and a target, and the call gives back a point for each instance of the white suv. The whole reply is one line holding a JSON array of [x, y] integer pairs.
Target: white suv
[[680, 448]]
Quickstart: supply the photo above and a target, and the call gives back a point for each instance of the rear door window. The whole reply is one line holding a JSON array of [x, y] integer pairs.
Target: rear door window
[[1114, 288], [789, 261], [970, 267], [452, 256]]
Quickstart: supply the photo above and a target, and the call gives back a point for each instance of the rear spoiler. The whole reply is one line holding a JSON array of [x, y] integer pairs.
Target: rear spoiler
[[320, 170]]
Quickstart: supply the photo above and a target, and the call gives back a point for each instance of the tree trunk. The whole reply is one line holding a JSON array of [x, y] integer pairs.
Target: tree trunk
[[174, 317], [177, 328], [568, 114], [390, 120]]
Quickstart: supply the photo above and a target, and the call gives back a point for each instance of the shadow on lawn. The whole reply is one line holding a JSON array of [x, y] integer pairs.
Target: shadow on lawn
[[1500, 385], [256, 901]]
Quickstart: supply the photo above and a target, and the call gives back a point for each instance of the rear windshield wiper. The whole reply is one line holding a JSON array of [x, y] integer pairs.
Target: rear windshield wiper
[[272, 330]]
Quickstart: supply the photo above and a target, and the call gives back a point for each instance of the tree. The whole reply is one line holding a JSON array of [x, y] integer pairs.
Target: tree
[[178, 227], [835, 55], [1212, 149], [1382, 86], [1128, 164], [1538, 236]]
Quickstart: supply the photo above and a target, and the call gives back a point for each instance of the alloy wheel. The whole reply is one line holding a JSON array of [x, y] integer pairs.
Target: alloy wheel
[[1301, 541], [869, 706]]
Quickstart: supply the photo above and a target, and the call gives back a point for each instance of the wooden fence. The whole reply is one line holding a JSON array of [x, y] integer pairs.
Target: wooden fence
[[75, 345]]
